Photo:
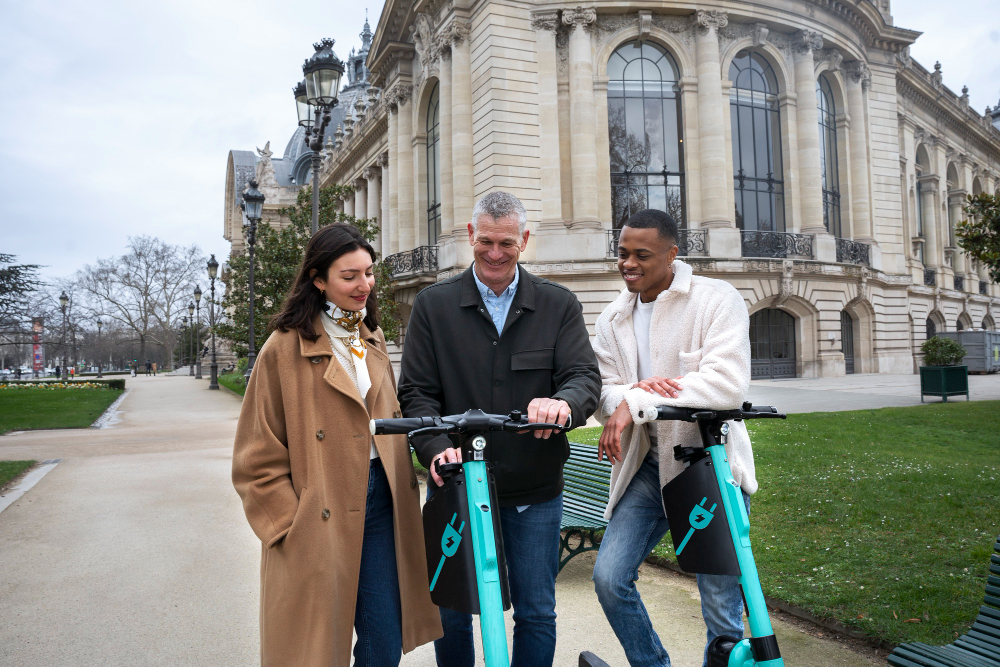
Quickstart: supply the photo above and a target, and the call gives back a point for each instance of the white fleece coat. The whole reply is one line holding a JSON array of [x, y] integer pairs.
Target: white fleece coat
[[700, 330]]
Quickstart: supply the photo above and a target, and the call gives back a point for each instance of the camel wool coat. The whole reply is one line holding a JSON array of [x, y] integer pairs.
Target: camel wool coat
[[300, 464]]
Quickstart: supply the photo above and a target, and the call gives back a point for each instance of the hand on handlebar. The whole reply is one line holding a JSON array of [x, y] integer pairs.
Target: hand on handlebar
[[548, 411], [451, 455]]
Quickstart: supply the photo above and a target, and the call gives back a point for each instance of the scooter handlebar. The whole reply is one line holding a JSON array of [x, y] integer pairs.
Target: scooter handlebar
[[473, 421], [748, 411], [401, 425]]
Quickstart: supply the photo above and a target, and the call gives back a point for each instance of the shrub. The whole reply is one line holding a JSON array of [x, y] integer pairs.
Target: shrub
[[116, 384], [940, 351], [241, 365]]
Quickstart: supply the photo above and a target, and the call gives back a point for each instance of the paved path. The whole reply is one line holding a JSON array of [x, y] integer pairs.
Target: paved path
[[134, 551], [858, 392]]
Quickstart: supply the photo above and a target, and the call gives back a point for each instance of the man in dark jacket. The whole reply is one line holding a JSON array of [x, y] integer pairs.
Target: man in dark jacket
[[498, 339]]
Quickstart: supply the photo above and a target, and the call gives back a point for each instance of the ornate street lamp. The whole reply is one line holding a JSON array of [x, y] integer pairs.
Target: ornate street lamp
[[190, 338], [197, 333], [253, 206], [99, 323], [213, 269], [322, 83], [63, 302]]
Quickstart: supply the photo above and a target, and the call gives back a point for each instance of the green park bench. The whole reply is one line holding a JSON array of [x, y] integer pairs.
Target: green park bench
[[585, 496], [979, 647]]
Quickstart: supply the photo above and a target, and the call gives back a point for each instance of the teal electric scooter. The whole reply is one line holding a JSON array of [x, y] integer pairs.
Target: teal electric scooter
[[711, 531], [465, 557]]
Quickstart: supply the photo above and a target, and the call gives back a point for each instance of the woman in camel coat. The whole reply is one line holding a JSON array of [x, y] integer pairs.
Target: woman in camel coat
[[337, 511]]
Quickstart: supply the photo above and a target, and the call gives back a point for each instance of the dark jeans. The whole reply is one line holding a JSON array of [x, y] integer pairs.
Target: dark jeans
[[377, 615], [531, 547]]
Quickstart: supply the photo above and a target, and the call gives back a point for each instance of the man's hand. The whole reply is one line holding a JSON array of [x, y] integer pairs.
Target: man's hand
[[548, 411], [610, 444], [662, 386], [452, 455]]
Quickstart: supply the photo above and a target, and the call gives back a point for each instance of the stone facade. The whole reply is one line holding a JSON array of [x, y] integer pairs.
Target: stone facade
[[846, 273]]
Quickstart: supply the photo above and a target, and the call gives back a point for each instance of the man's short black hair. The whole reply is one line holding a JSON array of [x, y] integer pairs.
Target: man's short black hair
[[651, 218]]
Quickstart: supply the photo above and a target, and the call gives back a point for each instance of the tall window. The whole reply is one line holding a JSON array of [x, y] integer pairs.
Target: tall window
[[920, 222], [828, 155], [757, 172], [644, 129], [433, 168]]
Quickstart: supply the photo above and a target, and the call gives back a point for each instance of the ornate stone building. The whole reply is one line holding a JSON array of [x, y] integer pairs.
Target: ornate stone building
[[809, 160]]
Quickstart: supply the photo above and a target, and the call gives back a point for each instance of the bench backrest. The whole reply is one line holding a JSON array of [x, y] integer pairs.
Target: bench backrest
[[587, 479]]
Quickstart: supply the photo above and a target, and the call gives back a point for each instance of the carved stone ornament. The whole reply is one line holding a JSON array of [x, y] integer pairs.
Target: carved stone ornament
[[937, 78], [904, 58], [711, 19], [645, 23], [787, 287], [369, 173], [859, 72], [836, 60], [398, 94], [760, 33], [545, 20], [581, 16], [421, 32], [383, 160], [457, 31], [807, 40], [360, 184]]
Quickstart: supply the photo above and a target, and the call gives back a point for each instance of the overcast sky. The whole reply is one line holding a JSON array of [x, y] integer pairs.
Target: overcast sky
[[116, 118]]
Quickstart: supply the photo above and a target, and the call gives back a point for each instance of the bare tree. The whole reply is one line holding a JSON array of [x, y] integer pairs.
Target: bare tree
[[144, 290]]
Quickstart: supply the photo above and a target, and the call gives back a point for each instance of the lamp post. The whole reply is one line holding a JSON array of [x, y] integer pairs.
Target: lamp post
[[319, 91], [63, 302], [213, 268], [190, 338], [197, 333], [253, 205], [99, 323], [187, 332]]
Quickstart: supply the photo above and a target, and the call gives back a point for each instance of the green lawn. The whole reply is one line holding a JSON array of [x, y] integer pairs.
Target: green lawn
[[39, 408], [233, 382], [881, 519], [11, 469]]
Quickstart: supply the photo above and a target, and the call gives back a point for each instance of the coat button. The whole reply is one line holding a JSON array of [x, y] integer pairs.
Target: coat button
[[326, 514], [397, 414], [495, 343], [413, 482], [320, 435], [316, 360]]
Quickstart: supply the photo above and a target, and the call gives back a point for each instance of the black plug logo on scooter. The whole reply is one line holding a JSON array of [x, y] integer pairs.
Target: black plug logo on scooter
[[699, 518], [450, 540]]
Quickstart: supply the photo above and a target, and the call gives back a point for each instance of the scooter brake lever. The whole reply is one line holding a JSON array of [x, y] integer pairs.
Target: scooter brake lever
[[431, 430]]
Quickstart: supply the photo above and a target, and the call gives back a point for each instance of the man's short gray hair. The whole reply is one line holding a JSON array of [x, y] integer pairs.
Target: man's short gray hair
[[498, 205]]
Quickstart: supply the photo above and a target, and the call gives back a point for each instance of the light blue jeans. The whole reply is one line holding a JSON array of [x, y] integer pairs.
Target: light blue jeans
[[637, 525]]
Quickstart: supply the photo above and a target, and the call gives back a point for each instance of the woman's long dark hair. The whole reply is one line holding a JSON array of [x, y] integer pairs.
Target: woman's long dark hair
[[304, 302]]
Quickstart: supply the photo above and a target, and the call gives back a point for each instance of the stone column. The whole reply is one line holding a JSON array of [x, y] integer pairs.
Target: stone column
[[955, 201], [546, 23], [810, 190], [349, 205], [405, 239], [383, 195], [461, 120], [583, 146], [928, 184], [391, 174], [448, 227], [360, 198], [724, 238], [858, 80]]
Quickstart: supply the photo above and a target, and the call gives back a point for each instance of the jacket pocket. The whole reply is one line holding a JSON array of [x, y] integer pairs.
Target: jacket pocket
[[531, 360], [304, 500], [689, 361]]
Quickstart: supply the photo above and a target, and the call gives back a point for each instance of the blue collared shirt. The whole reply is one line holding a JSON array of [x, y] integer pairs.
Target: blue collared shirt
[[497, 305]]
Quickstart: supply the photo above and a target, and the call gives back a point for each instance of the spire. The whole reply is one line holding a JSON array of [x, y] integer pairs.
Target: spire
[[366, 35]]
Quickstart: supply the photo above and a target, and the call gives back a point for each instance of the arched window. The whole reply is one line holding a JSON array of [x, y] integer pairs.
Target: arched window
[[828, 155], [644, 132], [757, 172], [433, 168], [931, 329]]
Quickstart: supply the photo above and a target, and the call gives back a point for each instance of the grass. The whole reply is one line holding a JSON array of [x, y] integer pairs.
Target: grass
[[881, 519], [26, 409], [233, 382], [11, 469]]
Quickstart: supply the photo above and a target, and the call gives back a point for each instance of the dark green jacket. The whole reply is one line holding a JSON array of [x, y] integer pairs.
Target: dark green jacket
[[454, 360]]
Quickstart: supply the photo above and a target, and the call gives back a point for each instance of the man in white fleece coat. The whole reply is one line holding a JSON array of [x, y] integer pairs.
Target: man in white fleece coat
[[670, 338]]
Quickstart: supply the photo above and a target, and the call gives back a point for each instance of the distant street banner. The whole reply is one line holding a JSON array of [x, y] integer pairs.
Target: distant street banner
[[36, 340]]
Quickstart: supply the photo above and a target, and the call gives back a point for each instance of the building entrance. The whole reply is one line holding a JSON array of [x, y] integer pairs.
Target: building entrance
[[772, 344]]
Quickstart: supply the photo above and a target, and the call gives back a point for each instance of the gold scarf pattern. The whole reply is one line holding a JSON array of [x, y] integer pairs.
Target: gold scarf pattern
[[350, 320]]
